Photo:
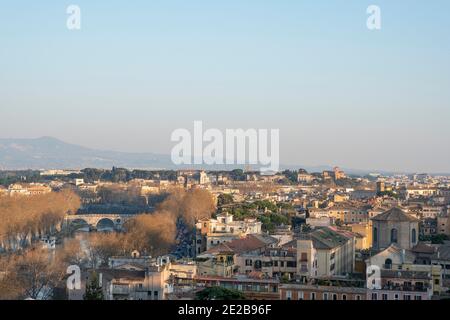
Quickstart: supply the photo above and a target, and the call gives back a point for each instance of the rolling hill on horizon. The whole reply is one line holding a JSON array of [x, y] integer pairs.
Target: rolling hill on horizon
[[51, 153]]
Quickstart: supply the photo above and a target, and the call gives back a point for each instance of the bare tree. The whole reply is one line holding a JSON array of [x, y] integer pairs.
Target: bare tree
[[25, 219], [9, 288], [72, 253], [102, 246], [35, 273], [191, 206], [151, 233], [197, 204]]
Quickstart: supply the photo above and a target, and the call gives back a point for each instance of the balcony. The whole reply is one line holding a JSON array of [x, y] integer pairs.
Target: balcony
[[123, 290], [405, 288]]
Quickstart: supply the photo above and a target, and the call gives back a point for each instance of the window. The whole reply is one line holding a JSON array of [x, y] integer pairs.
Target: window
[[300, 295], [291, 264], [394, 235], [304, 257], [384, 296], [304, 267], [396, 297], [374, 296], [344, 297], [313, 296], [406, 297], [325, 296], [288, 295], [388, 264], [358, 297], [335, 297], [418, 298], [248, 262], [375, 235], [413, 235]]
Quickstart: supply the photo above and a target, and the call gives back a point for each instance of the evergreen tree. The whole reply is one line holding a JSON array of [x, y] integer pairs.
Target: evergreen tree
[[219, 293], [93, 289]]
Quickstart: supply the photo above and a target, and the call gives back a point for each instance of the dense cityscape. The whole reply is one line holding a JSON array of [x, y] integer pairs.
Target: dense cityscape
[[224, 159], [201, 235]]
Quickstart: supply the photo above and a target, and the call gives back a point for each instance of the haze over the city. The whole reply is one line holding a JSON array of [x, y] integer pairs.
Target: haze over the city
[[339, 93]]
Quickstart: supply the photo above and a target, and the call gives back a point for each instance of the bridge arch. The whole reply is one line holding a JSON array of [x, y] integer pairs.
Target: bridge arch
[[106, 223], [98, 221], [79, 223]]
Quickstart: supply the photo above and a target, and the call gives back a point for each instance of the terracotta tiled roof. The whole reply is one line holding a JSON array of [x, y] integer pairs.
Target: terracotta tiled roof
[[328, 238], [250, 243], [423, 248], [324, 238]]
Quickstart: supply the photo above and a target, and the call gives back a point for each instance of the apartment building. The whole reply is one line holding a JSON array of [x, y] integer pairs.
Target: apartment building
[[320, 253], [431, 212], [443, 224], [212, 232], [225, 259], [298, 291], [397, 276], [28, 190], [253, 288], [422, 191], [441, 257], [304, 177], [272, 263], [349, 213], [333, 249], [363, 232]]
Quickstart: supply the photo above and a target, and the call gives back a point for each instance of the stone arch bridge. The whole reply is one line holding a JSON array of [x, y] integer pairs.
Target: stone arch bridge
[[115, 221]]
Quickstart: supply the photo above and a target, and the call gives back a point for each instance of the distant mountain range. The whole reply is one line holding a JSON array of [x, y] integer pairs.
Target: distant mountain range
[[50, 153]]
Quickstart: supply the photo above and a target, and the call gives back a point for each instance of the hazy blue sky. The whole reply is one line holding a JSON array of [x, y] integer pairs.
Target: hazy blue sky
[[137, 70]]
